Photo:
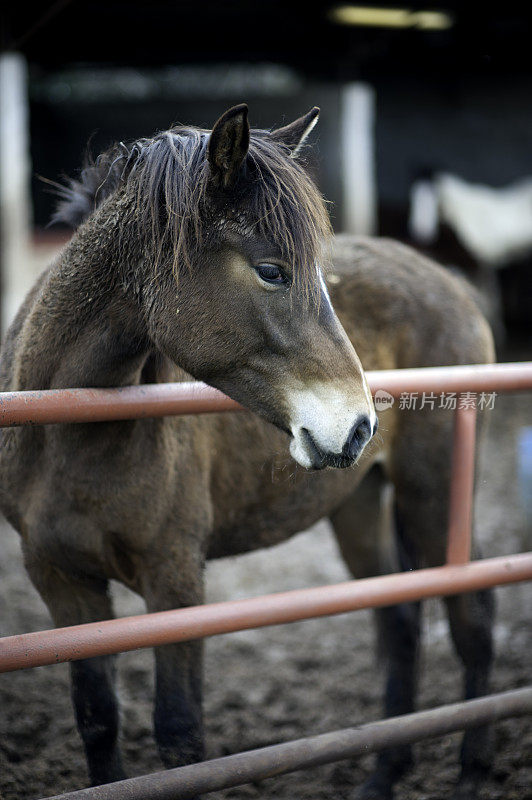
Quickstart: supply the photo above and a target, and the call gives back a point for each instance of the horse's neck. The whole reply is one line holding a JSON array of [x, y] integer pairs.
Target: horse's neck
[[81, 327]]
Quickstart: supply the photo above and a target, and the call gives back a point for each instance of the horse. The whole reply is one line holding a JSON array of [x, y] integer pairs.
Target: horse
[[203, 253], [485, 232]]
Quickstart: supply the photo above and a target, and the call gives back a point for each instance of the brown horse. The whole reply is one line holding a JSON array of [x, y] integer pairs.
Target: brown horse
[[200, 254]]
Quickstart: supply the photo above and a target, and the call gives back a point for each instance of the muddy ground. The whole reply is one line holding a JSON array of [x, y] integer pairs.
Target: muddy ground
[[280, 683]]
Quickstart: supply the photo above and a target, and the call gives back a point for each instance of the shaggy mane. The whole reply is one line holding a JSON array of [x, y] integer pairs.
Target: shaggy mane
[[170, 173]]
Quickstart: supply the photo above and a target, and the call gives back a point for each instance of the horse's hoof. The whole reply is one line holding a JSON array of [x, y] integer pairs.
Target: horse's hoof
[[107, 777], [466, 789], [373, 789], [471, 781]]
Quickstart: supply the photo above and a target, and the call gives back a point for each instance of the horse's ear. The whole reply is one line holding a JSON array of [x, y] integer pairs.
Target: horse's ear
[[295, 134], [228, 145]]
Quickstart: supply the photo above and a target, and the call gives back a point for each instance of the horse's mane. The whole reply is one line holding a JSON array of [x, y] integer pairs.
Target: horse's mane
[[98, 179], [171, 171]]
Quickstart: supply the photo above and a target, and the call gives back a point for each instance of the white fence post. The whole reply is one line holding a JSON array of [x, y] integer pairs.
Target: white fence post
[[15, 202], [357, 117]]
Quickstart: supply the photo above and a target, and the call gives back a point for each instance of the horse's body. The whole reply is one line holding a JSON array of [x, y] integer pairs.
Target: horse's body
[[146, 501]]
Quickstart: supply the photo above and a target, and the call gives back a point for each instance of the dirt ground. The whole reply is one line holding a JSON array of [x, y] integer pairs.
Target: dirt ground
[[276, 684]]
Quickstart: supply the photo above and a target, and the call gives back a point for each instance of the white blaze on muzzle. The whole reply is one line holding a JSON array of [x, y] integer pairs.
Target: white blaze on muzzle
[[328, 415], [326, 412]]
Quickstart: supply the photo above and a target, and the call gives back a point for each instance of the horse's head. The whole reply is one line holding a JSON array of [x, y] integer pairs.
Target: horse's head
[[250, 313]]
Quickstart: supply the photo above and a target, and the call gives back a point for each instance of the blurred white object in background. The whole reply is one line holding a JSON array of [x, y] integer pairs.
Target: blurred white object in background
[[423, 220], [357, 143], [493, 225], [14, 184]]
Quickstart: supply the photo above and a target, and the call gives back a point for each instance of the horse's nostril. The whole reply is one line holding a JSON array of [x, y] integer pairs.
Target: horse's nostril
[[360, 435], [318, 457]]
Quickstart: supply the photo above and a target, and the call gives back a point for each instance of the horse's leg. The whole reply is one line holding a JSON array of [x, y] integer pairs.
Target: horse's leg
[[471, 618], [364, 526], [178, 720], [421, 471], [73, 601]]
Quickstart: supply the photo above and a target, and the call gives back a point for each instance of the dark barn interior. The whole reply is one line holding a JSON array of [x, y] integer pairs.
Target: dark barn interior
[[454, 99]]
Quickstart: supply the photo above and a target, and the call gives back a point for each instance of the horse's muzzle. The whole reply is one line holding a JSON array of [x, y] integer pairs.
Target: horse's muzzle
[[359, 436]]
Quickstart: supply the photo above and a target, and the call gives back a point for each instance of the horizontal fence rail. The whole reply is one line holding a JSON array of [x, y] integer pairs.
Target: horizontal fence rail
[[315, 751], [164, 399], [194, 622]]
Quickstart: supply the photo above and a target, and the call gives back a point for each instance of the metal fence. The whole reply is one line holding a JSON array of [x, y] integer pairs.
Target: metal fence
[[147, 630]]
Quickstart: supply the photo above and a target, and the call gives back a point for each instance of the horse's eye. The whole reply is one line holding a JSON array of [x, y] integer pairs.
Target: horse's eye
[[271, 273]]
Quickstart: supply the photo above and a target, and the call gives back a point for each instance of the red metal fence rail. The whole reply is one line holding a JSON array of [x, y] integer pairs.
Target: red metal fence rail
[[163, 399], [112, 636], [195, 622]]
